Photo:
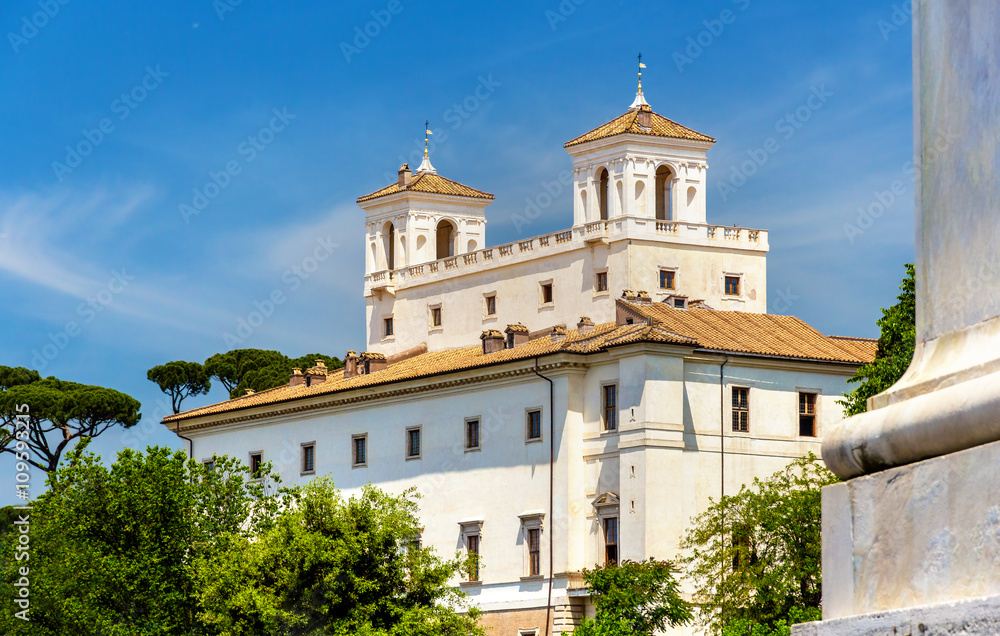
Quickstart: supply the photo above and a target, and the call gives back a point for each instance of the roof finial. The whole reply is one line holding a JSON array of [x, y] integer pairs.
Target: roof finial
[[425, 165], [640, 101]]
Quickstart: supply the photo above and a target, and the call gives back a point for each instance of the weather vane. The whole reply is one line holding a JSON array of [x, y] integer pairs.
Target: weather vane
[[427, 134], [641, 66]]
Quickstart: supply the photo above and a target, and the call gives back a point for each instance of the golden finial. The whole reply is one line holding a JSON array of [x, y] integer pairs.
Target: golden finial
[[427, 134], [641, 66]]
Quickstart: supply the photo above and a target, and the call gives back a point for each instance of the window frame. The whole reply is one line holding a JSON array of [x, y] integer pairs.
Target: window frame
[[812, 415], [388, 327], [363, 437], [546, 287], [528, 439], [479, 434], [302, 457], [532, 522], [739, 285], [606, 544], [744, 408], [664, 273], [601, 276], [489, 302], [255, 474], [435, 313], [409, 444], [472, 529], [606, 409]]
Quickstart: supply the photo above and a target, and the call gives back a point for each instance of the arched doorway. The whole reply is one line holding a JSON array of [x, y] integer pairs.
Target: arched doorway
[[602, 193], [664, 194], [389, 245], [445, 239]]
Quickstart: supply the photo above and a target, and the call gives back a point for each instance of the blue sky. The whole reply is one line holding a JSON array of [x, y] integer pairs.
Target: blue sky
[[156, 101]]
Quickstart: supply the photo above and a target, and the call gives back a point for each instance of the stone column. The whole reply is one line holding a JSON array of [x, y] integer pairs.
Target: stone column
[[911, 542]]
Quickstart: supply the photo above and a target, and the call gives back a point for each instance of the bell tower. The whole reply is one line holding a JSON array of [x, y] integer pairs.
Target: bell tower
[[640, 164]]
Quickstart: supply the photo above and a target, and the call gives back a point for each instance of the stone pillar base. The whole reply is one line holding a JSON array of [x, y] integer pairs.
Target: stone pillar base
[[974, 617]]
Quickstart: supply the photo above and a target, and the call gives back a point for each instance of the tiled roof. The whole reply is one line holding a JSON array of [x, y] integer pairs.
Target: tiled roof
[[863, 347], [627, 123], [741, 332], [430, 183], [757, 334]]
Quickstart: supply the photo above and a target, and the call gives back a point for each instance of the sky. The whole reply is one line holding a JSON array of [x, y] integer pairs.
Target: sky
[[167, 166]]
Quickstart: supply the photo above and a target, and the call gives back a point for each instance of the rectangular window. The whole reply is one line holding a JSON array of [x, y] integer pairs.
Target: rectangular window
[[387, 327], [611, 540], [741, 410], [308, 458], [435, 316], [472, 547], [680, 303], [209, 464], [732, 285], [610, 407], [602, 282], [667, 279], [534, 551], [807, 414], [546, 293], [534, 424], [491, 305], [471, 434], [412, 443], [360, 450], [256, 459]]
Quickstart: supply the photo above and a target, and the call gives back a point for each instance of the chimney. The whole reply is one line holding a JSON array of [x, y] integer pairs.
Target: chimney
[[249, 392], [628, 295], [558, 333], [350, 364], [517, 335], [585, 325], [373, 361], [642, 297], [493, 341], [316, 374], [645, 117], [404, 176], [297, 377]]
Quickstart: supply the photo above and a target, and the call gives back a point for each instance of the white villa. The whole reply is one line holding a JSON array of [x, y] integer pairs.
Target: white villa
[[553, 414]]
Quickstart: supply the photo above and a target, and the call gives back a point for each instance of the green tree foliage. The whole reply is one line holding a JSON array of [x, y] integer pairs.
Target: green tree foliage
[[113, 550], [59, 413], [754, 557], [180, 380], [259, 369], [335, 566], [895, 348], [634, 599]]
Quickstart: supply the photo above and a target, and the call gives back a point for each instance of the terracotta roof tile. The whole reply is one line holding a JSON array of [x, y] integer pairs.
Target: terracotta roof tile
[[734, 331], [429, 183], [627, 123]]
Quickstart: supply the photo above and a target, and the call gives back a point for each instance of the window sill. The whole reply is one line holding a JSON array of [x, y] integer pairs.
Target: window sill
[[490, 318], [435, 330], [542, 306], [363, 465], [307, 472], [533, 578], [470, 584], [474, 449], [413, 457], [602, 294], [533, 440], [609, 432]]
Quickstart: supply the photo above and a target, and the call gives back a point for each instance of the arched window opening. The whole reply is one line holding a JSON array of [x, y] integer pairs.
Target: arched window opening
[[602, 193], [664, 192], [583, 204], [389, 245], [692, 193], [620, 207], [471, 247], [445, 239], [421, 242], [640, 198]]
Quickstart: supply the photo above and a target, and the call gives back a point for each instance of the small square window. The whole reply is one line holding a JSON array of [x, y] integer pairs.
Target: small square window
[[534, 425], [491, 305], [807, 414], [435, 316], [668, 279], [359, 450], [387, 327], [680, 303], [472, 434], [546, 293], [741, 410], [412, 443], [610, 407], [732, 285], [308, 458], [601, 284], [256, 460]]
